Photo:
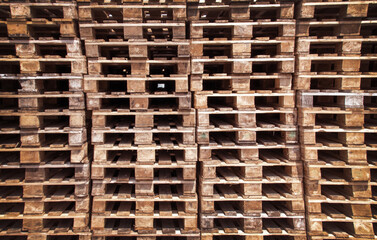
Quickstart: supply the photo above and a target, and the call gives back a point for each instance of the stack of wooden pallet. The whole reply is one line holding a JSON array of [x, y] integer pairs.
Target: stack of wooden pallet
[[335, 76], [143, 126], [44, 166], [242, 65], [143, 59]]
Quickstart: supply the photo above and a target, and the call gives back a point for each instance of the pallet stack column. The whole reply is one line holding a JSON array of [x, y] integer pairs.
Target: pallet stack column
[[43, 150], [250, 183], [335, 72], [143, 126]]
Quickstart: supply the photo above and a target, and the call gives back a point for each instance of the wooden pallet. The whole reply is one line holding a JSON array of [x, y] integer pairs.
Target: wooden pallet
[[50, 234], [335, 155], [178, 83], [130, 2], [204, 48], [49, 188], [261, 63], [143, 172], [133, 12], [45, 82], [153, 2], [142, 67], [52, 206], [124, 102], [255, 171], [344, 157], [240, 82], [158, 144], [155, 155], [242, 154], [158, 236], [146, 224], [132, 136], [353, 99], [243, 135], [257, 226], [167, 204], [333, 63], [244, 10], [28, 10], [43, 137], [143, 136], [271, 153], [274, 188], [334, 137], [335, 81], [69, 48], [27, 1], [330, 117], [336, 173], [48, 101], [245, 29], [331, 45], [42, 204], [138, 75], [51, 64], [262, 117], [138, 48], [252, 225], [36, 223], [16, 174], [340, 10], [336, 188], [11, 121], [220, 235], [39, 28], [335, 28], [168, 231], [340, 228], [13, 154], [122, 192], [229, 2], [330, 236], [134, 30], [278, 152], [148, 119], [243, 100], [126, 187], [231, 204], [339, 208], [76, 222]]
